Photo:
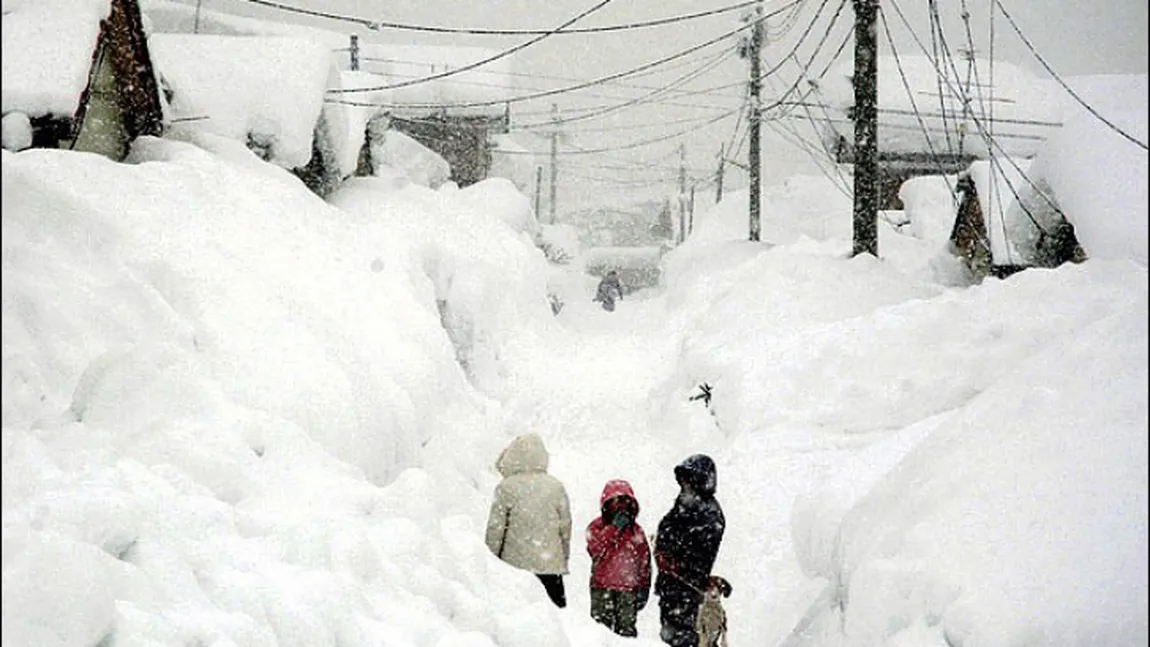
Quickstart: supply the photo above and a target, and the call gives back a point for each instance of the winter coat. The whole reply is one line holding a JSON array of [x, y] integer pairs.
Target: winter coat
[[620, 559], [609, 289], [689, 535], [529, 525]]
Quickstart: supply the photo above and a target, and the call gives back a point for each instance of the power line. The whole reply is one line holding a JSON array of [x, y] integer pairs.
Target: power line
[[914, 128], [913, 104], [1063, 83], [672, 87], [645, 99], [902, 111], [637, 144], [563, 90], [548, 77], [787, 25], [471, 66], [825, 148], [991, 142], [377, 25], [604, 129]]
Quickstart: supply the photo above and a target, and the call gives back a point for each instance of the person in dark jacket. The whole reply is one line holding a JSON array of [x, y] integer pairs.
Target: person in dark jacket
[[686, 546], [620, 560], [609, 291]]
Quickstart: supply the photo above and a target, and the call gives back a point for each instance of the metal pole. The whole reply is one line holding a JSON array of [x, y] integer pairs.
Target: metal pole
[[354, 51]]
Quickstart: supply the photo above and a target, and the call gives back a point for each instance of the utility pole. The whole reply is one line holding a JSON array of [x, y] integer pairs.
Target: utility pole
[[691, 212], [554, 156], [682, 193], [719, 178], [866, 129], [196, 24], [538, 190], [354, 48], [756, 117]]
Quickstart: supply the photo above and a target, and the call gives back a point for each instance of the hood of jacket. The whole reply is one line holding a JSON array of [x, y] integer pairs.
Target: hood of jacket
[[698, 471], [524, 455], [618, 488]]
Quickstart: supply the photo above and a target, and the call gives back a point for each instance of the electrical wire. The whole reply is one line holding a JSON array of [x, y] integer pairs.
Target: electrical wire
[[471, 66], [982, 130], [571, 88], [1065, 86], [547, 77], [671, 88], [825, 148], [605, 129], [638, 144], [913, 103], [643, 100], [376, 25]]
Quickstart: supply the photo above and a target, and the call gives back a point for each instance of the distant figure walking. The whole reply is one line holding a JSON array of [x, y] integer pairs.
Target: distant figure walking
[[529, 525], [620, 560], [609, 291], [686, 546]]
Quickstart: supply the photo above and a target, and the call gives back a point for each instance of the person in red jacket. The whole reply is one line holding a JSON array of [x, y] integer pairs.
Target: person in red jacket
[[620, 560]]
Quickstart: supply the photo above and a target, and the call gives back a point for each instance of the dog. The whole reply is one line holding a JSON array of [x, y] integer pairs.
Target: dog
[[711, 621]]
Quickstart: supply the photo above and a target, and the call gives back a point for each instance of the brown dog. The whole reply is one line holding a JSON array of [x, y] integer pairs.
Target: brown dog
[[711, 622]]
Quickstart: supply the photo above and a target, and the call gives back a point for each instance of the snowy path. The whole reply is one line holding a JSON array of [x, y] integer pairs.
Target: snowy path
[[587, 391]]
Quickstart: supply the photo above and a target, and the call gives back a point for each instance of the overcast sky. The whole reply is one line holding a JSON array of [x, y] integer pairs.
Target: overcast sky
[[1074, 36]]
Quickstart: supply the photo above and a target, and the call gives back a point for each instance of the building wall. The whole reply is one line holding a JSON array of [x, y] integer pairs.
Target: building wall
[[462, 142], [102, 129]]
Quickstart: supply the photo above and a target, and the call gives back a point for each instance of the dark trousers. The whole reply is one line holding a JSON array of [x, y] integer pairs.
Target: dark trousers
[[677, 611], [616, 609], [554, 586]]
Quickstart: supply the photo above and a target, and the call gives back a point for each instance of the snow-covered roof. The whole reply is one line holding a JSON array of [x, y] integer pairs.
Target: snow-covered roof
[[270, 87], [47, 53], [1016, 106], [382, 64]]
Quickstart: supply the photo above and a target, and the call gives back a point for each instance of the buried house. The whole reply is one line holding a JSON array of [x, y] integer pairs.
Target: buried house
[[77, 75], [933, 122], [266, 92], [437, 97]]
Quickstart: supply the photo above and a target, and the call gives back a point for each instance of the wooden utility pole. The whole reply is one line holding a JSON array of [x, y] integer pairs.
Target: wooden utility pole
[[538, 190], [691, 212], [682, 193], [866, 129], [554, 157], [756, 87], [354, 48], [719, 178]]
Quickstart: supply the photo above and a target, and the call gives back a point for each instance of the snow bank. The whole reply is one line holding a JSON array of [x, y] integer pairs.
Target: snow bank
[[208, 373], [484, 271], [1099, 176], [1047, 545]]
